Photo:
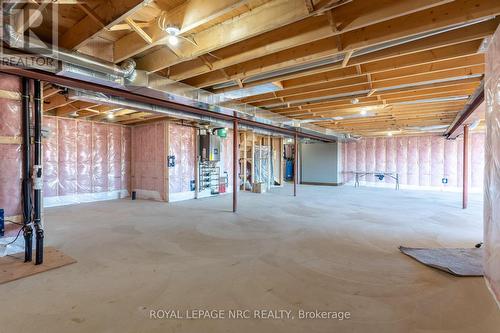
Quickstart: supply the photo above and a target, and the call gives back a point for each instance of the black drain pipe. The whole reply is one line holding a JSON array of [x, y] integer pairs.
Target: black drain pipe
[[37, 174], [26, 185]]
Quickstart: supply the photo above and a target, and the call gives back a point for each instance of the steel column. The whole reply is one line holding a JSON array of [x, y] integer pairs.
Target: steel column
[[465, 191], [295, 164], [235, 165]]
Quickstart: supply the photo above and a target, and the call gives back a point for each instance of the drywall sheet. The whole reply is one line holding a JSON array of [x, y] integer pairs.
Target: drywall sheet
[[492, 168], [420, 161], [319, 163], [84, 161], [182, 149], [11, 157], [149, 161]]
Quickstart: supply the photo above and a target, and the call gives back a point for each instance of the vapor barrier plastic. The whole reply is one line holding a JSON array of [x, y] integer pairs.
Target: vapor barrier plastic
[[181, 149], [227, 159], [492, 168], [83, 161], [423, 162], [149, 161], [10, 149]]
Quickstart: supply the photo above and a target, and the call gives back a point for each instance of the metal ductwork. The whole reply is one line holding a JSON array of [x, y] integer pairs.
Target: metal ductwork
[[93, 97], [17, 40]]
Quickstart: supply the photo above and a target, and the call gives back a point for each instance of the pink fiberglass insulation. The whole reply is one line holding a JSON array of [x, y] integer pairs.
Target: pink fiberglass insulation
[[390, 155], [477, 159], [149, 161], [67, 160], [114, 158], [100, 158], [451, 162], [424, 160], [350, 151], [419, 161], [380, 154], [492, 168], [402, 159], [50, 158], [84, 157], [361, 155], [126, 156], [460, 158], [370, 158], [437, 160], [227, 156], [181, 147], [412, 161], [10, 179], [11, 158]]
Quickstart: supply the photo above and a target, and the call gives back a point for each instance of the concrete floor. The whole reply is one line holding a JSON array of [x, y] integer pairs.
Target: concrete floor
[[331, 248]]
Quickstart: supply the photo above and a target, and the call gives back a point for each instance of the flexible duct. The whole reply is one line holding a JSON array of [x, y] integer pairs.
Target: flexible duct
[[17, 41]]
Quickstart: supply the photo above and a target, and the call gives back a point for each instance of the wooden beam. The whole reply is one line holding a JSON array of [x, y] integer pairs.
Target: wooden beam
[[326, 47], [112, 11], [292, 35], [264, 18], [92, 14], [139, 30], [426, 72], [347, 57]]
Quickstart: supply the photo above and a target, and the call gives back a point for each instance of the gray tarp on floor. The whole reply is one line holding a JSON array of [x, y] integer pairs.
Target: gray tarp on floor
[[459, 262]]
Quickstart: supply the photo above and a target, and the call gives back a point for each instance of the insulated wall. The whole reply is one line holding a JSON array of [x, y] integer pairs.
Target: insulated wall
[[182, 140], [84, 161], [492, 168], [422, 162], [10, 147], [149, 161], [227, 159]]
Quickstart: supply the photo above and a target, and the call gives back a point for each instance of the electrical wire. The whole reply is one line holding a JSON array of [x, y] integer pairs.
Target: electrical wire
[[15, 239], [14, 222]]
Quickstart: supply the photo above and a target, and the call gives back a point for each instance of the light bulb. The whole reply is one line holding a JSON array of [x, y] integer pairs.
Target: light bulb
[[173, 40], [110, 116]]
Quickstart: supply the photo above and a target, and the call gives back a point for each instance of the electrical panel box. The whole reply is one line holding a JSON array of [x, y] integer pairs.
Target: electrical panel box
[[2, 222], [210, 148]]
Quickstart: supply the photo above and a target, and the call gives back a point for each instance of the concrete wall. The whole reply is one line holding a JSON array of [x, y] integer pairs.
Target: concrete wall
[[319, 163]]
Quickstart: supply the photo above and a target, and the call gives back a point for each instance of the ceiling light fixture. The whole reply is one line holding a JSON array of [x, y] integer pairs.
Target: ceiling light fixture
[[354, 101], [389, 134], [110, 115]]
